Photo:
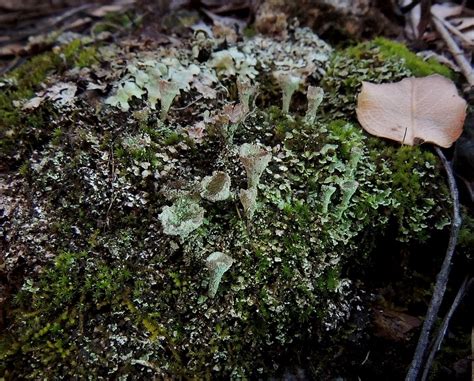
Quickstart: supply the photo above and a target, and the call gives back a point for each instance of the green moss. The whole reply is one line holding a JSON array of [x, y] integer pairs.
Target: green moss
[[50, 309], [172, 138], [76, 54], [249, 32], [417, 65], [72, 276], [24, 169], [392, 50], [21, 131], [86, 57], [409, 170], [388, 49]]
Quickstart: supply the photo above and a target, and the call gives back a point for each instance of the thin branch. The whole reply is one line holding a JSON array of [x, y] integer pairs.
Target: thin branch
[[436, 343], [455, 50], [472, 353], [457, 32], [441, 279]]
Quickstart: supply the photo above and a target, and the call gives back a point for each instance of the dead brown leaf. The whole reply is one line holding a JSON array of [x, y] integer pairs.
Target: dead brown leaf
[[413, 111], [394, 325]]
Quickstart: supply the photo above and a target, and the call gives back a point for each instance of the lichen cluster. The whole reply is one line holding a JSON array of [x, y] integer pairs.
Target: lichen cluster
[[121, 220]]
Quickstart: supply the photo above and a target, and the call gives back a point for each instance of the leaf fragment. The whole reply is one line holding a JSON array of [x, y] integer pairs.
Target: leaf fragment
[[412, 111]]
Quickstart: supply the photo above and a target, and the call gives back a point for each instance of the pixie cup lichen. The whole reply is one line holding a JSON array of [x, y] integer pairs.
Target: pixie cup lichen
[[315, 96], [217, 263], [181, 218], [246, 91], [248, 198], [326, 193], [216, 187], [289, 83], [348, 188], [255, 159]]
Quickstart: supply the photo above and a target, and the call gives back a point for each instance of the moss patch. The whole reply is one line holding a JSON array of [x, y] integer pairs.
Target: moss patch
[[22, 131]]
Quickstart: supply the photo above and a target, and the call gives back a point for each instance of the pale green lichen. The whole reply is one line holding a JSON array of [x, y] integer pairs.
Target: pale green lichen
[[182, 218], [216, 187], [254, 159], [228, 121], [231, 61], [217, 263], [248, 198], [315, 96], [158, 80], [289, 83], [326, 193], [348, 188], [125, 92], [246, 92], [168, 91]]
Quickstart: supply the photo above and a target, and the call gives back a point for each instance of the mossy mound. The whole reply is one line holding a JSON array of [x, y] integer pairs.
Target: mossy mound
[[109, 292], [22, 132]]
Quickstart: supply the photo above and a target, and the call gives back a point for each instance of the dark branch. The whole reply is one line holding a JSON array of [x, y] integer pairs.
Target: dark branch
[[441, 279], [436, 343]]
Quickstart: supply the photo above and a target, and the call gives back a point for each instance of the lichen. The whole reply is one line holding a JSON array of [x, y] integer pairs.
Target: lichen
[[183, 217], [254, 159], [216, 187], [115, 215], [217, 263], [315, 96]]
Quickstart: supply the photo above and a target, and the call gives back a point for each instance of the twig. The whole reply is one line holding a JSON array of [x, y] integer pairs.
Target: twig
[[14, 62], [436, 343], [441, 279], [188, 105], [455, 50], [456, 31], [472, 352], [49, 23]]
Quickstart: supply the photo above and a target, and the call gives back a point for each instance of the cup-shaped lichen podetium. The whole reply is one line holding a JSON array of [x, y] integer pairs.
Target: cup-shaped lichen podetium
[[348, 188], [217, 263], [246, 91], [255, 159], [289, 83], [326, 193], [168, 91], [216, 187], [315, 97], [181, 218], [248, 198]]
